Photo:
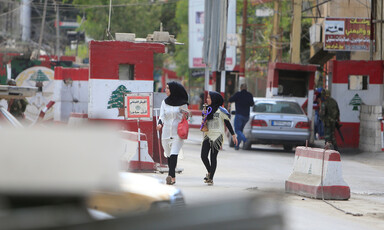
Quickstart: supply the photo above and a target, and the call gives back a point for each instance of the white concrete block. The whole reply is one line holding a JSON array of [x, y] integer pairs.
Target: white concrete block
[[125, 37]]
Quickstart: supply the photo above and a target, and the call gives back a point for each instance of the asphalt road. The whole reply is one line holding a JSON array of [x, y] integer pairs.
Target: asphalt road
[[263, 170]]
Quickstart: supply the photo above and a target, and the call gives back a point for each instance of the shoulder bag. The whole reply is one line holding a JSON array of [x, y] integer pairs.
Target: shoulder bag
[[183, 128]]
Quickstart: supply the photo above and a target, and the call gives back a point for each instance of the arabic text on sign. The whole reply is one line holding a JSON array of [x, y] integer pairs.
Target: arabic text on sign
[[356, 21], [360, 31]]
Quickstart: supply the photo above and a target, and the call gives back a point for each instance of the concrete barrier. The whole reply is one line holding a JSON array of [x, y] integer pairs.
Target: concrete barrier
[[310, 170], [76, 119], [133, 159]]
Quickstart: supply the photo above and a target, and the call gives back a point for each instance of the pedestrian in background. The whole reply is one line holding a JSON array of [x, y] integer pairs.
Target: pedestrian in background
[[243, 101], [330, 115], [17, 107], [172, 110], [319, 128], [214, 137]]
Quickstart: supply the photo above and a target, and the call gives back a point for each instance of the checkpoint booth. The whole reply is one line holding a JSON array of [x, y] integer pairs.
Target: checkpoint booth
[[295, 81], [118, 68], [355, 83]]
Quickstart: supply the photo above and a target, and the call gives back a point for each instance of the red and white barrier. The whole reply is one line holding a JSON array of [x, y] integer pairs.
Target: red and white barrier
[[310, 170], [135, 153], [77, 119], [382, 135], [44, 111]]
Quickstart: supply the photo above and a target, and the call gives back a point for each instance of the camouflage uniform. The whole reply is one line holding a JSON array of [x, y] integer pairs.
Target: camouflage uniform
[[17, 107], [329, 114]]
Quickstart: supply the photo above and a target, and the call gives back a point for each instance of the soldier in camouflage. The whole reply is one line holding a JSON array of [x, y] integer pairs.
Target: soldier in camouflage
[[16, 106], [330, 115]]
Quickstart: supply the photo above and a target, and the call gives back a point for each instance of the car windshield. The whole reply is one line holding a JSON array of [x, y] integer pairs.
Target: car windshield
[[286, 107]]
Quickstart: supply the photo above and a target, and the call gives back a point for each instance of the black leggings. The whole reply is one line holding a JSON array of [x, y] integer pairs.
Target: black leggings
[[172, 162], [211, 167]]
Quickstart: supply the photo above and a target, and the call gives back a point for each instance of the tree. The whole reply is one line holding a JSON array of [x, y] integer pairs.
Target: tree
[[127, 16], [116, 100], [181, 55]]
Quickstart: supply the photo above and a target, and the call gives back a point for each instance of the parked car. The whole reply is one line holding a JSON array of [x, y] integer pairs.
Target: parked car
[[276, 121]]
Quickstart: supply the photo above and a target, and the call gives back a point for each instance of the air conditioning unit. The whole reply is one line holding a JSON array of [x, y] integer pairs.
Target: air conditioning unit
[[315, 34]]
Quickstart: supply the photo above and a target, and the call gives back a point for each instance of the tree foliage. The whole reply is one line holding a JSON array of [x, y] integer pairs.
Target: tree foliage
[[259, 33], [144, 17], [127, 16], [181, 55]]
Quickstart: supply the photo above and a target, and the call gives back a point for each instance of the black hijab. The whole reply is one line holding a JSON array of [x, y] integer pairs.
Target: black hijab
[[178, 95], [217, 101]]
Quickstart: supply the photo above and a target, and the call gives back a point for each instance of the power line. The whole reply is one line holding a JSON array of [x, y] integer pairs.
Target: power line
[[115, 5]]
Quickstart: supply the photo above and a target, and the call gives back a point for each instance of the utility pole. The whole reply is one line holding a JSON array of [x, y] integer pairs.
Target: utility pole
[[296, 32], [275, 32], [314, 20], [243, 41], [37, 55], [373, 22], [25, 20], [57, 31]]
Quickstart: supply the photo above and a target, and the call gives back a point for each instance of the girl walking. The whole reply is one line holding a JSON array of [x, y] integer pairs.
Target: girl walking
[[213, 138], [172, 110]]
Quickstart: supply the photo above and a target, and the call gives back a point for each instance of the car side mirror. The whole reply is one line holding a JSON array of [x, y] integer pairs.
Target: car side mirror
[[233, 112]]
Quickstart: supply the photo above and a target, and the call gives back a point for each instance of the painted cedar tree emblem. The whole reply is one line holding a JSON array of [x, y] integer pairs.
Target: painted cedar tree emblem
[[356, 101], [116, 100]]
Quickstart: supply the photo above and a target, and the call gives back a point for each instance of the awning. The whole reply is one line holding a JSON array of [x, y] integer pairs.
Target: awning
[[321, 57]]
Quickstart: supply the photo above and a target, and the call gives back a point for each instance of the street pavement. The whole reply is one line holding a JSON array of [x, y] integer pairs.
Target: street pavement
[[263, 171]]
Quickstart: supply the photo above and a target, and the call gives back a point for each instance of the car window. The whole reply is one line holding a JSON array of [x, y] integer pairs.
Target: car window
[[286, 107]]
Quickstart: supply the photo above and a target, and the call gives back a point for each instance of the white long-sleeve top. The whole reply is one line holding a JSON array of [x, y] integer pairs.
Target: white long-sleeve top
[[170, 116]]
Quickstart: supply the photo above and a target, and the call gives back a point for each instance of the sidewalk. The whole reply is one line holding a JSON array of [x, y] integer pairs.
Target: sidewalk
[[264, 169]]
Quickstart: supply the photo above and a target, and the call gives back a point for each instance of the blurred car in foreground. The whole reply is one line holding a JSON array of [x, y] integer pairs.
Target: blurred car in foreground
[[278, 121], [7, 119], [12, 92], [139, 193]]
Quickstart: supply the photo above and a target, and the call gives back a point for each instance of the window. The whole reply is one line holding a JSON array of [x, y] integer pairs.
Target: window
[[293, 83], [358, 82], [286, 107], [126, 72]]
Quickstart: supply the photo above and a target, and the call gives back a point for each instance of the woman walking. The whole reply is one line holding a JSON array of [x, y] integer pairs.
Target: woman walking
[[172, 110], [217, 117]]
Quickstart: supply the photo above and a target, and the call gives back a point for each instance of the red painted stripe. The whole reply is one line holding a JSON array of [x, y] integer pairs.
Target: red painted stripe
[[48, 106], [106, 56], [335, 192], [342, 69], [76, 74], [194, 126], [316, 153], [351, 134], [196, 112], [79, 115], [140, 165], [275, 67]]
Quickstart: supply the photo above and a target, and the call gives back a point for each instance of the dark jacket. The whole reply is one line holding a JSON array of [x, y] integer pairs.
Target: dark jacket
[[243, 100]]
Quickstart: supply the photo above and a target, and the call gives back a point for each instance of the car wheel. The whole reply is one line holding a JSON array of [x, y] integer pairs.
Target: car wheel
[[288, 147], [247, 145]]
